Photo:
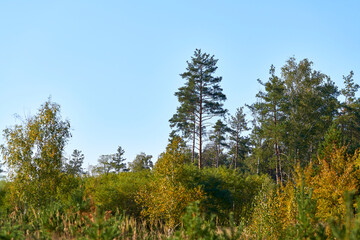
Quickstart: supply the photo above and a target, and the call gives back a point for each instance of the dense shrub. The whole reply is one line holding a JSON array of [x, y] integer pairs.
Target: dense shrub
[[226, 190], [4, 206], [117, 192], [166, 196]]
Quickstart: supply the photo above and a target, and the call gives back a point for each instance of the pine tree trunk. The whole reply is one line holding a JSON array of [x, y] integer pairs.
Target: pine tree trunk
[[193, 145], [277, 153], [200, 138], [200, 125], [280, 166], [277, 164], [237, 151], [217, 156]]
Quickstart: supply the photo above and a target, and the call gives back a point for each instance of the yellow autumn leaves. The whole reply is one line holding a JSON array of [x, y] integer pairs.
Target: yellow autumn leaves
[[33, 152], [327, 181], [166, 197]]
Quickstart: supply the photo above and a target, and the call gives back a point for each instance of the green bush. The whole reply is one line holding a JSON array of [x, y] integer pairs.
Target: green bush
[[226, 190], [195, 226], [112, 192], [4, 206]]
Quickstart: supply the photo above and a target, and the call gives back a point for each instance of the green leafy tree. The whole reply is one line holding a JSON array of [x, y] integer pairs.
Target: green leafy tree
[[111, 163], [312, 106], [141, 162], [293, 115], [201, 97], [33, 152], [333, 138], [104, 165]]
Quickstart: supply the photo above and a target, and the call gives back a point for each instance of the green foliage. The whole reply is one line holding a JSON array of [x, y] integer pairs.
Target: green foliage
[[314, 165], [117, 191], [59, 221], [263, 224], [68, 185], [272, 107], [200, 98], [307, 225], [349, 120], [218, 138], [213, 155], [350, 89], [117, 161], [218, 197], [226, 191], [4, 191], [291, 117], [104, 164], [74, 166], [345, 129], [333, 138], [111, 163], [141, 162], [103, 227], [239, 144], [313, 106], [349, 228], [196, 227]]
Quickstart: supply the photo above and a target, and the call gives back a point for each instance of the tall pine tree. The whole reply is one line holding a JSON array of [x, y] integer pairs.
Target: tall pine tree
[[218, 137], [349, 119], [238, 124], [272, 106], [117, 161], [74, 166], [201, 98]]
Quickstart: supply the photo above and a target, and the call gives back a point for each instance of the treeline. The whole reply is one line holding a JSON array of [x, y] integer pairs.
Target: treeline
[[291, 121], [291, 170]]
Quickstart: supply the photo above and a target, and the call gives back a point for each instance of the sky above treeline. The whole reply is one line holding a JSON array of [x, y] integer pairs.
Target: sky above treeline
[[113, 66]]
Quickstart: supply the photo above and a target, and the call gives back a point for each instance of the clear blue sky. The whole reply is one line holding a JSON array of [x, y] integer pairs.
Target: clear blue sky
[[114, 66]]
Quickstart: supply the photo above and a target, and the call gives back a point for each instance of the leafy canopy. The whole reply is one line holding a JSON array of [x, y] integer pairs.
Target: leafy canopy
[[33, 152]]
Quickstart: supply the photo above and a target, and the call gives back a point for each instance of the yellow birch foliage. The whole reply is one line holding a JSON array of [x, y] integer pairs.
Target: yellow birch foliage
[[335, 174], [283, 206], [274, 212], [329, 179], [165, 197], [33, 152]]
